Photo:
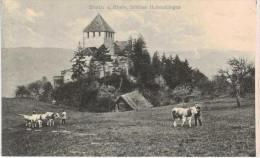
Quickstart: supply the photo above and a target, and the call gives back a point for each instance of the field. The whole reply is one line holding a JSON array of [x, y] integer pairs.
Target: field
[[226, 131]]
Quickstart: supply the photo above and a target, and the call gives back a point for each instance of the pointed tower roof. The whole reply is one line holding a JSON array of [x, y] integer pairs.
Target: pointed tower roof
[[98, 25]]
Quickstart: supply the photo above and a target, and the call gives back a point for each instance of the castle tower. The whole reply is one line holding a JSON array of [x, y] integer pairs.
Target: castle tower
[[98, 32]]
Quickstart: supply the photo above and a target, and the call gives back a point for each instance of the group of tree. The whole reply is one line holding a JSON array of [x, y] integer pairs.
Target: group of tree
[[175, 71], [90, 92], [240, 77], [41, 90]]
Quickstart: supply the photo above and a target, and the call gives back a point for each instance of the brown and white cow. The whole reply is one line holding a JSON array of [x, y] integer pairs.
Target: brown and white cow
[[183, 114]]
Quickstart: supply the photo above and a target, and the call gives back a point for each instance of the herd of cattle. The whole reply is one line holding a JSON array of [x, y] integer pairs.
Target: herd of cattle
[[37, 120]]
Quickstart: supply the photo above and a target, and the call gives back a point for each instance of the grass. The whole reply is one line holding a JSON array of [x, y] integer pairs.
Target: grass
[[226, 131]]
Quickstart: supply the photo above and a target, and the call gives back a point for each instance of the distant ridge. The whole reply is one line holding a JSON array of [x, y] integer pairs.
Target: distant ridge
[[23, 65]]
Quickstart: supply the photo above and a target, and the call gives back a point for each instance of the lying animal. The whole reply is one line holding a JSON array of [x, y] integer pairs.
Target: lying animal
[[183, 114]]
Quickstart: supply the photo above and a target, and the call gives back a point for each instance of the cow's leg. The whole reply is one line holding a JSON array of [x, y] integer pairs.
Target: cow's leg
[[189, 121], [174, 119], [174, 123], [183, 120], [51, 122], [40, 124]]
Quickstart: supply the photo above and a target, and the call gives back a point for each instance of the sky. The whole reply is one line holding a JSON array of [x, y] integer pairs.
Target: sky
[[192, 25]]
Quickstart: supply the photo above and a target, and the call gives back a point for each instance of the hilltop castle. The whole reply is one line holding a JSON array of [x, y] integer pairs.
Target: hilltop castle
[[98, 33]]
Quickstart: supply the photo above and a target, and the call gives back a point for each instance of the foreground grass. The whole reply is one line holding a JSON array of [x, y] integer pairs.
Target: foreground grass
[[226, 131]]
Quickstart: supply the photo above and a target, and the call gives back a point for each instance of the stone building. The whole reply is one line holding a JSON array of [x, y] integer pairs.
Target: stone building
[[98, 33]]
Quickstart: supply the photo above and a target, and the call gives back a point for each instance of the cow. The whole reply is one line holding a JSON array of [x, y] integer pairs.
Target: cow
[[49, 117], [31, 120], [183, 114], [28, 119], [35, 120]]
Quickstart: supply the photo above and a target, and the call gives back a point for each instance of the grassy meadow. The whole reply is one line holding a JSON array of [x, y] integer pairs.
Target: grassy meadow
[[226, 131]]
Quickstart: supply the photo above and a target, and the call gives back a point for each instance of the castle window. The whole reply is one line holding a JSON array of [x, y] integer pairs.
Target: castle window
[[88, 34], [93, 34], [99, 33]]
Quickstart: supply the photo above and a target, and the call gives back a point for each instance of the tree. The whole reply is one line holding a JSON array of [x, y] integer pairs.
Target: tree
[[201, 81], [239, 69], [79, 64], [47, 91], [141, 69], [22, 91], [156, 63], [102, 57], [35, 88]]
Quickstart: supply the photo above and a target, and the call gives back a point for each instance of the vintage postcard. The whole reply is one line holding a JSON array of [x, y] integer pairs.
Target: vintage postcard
[[129, 78]]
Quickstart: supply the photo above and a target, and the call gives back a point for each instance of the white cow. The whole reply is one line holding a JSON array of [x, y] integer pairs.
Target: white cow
[[36, 120], [28, 120], [49, 117], [183, 114]]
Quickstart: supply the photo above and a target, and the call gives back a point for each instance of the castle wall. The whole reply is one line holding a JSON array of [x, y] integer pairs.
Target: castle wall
[[93, 39], [96, 39], [109, 42]]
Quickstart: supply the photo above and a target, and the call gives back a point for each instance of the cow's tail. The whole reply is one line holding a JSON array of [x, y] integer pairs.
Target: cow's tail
[[21, 115]]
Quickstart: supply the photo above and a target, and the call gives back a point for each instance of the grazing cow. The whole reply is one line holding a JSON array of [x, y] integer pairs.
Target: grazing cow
[[183, 114], [50, 117], [28, 119], [35, 120]]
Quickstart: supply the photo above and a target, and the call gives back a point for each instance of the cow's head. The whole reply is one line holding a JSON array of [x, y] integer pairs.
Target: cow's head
[[56, 115], [193, 110]]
